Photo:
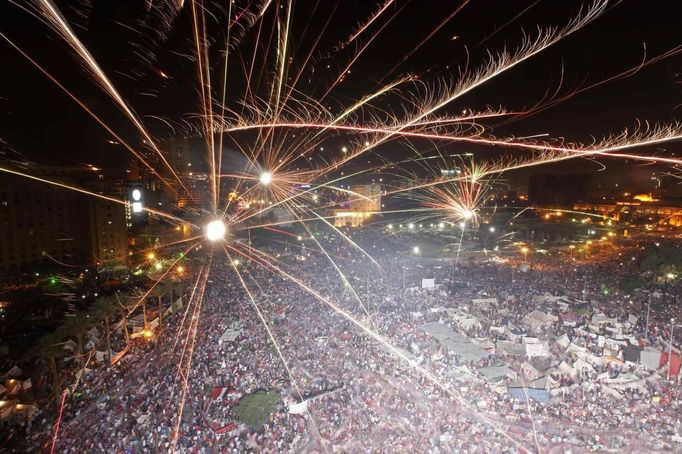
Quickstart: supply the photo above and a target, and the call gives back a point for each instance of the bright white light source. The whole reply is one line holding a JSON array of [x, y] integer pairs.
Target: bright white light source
[[467, 214], [415, 249], [410, 226], [441, 225], [265, 178], [492, 229], [137, 195], [215, 230], [137, 207]]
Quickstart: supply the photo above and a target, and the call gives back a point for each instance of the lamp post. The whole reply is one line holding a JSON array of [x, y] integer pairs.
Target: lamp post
[[524, 250], [670, 348], [648, 309]]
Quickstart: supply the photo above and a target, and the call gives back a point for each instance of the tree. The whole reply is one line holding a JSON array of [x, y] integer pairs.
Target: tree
[[255, 409], [77, 325], [103, 309], [125, 310], [162, 289], [48, 348]]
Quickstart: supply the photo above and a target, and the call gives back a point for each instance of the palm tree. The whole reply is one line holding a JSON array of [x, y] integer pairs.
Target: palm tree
[[77, 325], [125, 311], [48, 348], [103, 309], [162, 289]]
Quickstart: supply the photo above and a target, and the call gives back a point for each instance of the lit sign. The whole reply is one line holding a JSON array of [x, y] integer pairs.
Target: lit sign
[[137, 195], [137, 207]]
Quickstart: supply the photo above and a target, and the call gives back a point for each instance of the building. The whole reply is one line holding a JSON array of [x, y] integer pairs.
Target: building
[[365, 202], [558, 190], [663, 213], [367, 198], [106, 231], [43, 224]]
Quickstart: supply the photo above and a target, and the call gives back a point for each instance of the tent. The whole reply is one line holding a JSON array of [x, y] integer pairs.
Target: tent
[[650, 358], [455, 342], [229, 335], [563, 341], [567, 369], [538, 395], [14, 372], [494, 374], [674, 363]]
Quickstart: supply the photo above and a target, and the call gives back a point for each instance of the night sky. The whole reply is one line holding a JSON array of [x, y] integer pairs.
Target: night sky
[[38, 121]]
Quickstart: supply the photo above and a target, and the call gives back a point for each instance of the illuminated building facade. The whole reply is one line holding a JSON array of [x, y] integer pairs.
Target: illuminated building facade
[[659, 212], [363, 204]]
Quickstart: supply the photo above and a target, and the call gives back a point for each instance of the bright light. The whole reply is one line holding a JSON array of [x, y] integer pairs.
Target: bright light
[[390, 226], [466, 214], [492, 229], [462, 225], [410, 226], [151, 256], [158, 265], [415, 249], [524, 250], [137, 195], [299, 238], [265, 178], [137, 207], [215, 230], [670, 276], [441, 225], [180, 269], [236, 262]]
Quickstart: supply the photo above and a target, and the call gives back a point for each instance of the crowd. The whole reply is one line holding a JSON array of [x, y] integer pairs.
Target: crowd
[[363, 395]]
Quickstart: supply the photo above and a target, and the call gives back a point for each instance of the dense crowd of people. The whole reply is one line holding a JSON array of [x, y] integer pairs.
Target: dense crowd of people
[[397, 391]]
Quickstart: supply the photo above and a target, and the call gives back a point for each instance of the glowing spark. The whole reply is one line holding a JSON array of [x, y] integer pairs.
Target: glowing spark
[[215, 230], [265, 178]]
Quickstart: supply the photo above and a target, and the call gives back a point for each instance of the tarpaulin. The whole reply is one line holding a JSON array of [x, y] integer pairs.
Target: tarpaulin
[[674, 364]]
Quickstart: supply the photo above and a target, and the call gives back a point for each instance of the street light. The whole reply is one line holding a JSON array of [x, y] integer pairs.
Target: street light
[[670, 349], [415, 249], [524, 250], [151, 256]]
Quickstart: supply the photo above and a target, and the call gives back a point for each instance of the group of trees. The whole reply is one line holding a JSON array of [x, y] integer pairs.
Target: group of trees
[[104, 311]]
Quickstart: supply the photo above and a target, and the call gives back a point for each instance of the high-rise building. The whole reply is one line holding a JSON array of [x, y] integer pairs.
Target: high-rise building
[[44, 224], [367, 198], [365, 202], [558, 190]]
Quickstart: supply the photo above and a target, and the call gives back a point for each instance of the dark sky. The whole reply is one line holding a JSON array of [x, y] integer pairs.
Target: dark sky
[[39, 121]]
